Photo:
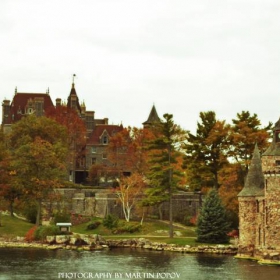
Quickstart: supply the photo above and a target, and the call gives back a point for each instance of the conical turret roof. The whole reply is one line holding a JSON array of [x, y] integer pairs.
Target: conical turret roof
[[153, 117], [254, 183]]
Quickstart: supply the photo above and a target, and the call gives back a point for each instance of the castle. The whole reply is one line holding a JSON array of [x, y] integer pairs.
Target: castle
[[259, 204], [88, 200], [99, 131]]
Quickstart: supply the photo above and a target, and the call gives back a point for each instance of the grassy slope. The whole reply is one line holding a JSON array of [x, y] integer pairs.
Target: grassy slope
[[156, 231], [12, 227]]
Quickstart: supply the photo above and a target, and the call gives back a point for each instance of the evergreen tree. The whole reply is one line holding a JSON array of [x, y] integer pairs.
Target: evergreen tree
[[165, 174], [212, 225]]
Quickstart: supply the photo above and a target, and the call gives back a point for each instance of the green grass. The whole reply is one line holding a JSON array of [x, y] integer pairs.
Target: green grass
[[12, 227], [153, 230]]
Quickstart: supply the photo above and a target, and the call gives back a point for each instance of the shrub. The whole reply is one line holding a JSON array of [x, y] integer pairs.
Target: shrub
[[62, 217], [111, 221], [43, 231], [77, 219], [30, 212], [93, 225], [127, 228], [30, 235]]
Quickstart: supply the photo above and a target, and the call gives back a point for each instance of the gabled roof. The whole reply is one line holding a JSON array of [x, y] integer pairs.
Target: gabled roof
[[20, 101], [99, 130], [153, 117], [254, 183]]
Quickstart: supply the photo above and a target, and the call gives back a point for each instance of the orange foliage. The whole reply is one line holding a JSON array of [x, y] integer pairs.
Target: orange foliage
[[231, 185], [127, 149], [29, 237]]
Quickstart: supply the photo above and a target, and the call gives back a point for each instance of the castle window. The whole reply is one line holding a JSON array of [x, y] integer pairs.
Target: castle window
[[277, 162], [258, 206], [104, 156], [93, 150], [93, 161], [105, 140]]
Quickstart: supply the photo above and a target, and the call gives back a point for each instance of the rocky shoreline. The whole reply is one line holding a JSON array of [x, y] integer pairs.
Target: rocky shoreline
[[97, 242]]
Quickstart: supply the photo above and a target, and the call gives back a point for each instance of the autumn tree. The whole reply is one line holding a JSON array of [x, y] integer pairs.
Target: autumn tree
[[76, 133], [127, 150], [9, 190], [246, 131], [128, 155], [207, 151], [164, 174], [231, 183], [130, 189], [38, 157]]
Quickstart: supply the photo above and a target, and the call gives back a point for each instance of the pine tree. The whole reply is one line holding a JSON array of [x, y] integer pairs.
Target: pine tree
[[212, 225], [165, 174]]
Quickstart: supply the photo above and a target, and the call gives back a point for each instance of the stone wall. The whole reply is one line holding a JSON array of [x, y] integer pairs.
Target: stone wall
[[247, 221], [101, 202], [272, 211]]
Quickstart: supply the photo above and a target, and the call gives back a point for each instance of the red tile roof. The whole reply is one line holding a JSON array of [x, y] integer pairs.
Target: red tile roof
[[19, 103], [95, 136]]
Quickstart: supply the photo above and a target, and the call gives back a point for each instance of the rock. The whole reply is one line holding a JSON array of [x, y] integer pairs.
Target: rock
[[62, 239], [50, 239]]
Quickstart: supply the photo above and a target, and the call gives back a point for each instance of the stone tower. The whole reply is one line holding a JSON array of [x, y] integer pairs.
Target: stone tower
[[271, 169], [259, 205], [250, 199]]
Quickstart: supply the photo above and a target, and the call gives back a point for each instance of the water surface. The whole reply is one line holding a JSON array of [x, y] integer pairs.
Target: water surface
[[127, 264]]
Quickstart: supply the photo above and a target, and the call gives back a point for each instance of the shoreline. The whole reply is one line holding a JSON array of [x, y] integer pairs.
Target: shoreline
[[97, 243]]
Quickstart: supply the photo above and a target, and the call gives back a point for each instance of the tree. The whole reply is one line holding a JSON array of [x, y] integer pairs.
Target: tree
[[76, 134], [9, 190], [246, 131], [212, 224], [127, 150], [129, 191], [231, 180], [164, 174], [38, 157], [206, 152]]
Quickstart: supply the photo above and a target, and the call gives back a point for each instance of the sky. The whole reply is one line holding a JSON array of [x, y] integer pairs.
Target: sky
[[183, 56]]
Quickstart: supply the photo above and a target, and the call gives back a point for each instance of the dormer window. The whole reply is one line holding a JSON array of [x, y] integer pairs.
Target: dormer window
[[105, 140]]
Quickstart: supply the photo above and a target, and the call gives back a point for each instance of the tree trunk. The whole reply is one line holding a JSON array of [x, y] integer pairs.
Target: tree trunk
[[12, 208], [160, 211], [38, 216], [170, 174]]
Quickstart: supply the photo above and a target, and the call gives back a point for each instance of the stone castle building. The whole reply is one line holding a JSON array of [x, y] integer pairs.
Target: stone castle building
[[89, 200], [259, 204], [99, 131]]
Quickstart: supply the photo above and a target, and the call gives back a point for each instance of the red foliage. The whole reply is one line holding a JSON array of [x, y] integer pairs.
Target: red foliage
[[29, 237], [77, 219], [193, 220], [233, 233]]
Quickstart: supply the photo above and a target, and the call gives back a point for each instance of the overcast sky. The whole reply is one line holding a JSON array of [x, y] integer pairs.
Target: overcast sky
[[183, 56]]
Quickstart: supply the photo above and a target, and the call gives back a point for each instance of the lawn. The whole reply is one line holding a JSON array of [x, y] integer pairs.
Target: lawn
[[12, 227], [154, 230]]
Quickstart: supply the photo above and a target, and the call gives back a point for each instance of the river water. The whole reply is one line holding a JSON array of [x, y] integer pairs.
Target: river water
[[127, 264]]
